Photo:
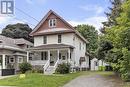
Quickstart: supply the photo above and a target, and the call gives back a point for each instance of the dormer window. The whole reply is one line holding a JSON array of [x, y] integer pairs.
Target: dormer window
[[52, 23]]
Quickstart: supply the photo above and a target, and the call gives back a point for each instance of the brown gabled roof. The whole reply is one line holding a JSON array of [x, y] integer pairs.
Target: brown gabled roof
[[44, 19], [51, 46], [59, 31]]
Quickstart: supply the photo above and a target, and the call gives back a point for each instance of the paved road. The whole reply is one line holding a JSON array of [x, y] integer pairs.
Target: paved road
[[95, 81]]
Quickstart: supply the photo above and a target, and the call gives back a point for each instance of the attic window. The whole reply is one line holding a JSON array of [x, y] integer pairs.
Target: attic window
[[52, 23]]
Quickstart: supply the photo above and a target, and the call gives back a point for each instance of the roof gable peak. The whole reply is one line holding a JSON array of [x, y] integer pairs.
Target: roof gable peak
[[51, 12]]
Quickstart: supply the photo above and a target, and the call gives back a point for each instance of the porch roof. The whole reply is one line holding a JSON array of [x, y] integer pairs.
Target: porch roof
[[50, 46]]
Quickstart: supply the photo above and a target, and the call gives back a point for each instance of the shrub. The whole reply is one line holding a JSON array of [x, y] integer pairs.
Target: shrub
[[63, 68], [101, 68], [25, 67], [37, 69]]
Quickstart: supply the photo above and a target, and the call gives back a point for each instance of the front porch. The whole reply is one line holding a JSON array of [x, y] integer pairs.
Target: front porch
[[49, 56], [11, 61], [39, 57]]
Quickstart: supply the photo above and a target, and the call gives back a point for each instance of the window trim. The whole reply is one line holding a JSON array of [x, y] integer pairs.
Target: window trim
[[80, 46], [52, 23], [45, 39], [19, 59], [11, 61], [59, 38]]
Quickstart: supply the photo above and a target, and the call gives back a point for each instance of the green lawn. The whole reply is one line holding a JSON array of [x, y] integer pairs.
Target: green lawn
[[40, 80]]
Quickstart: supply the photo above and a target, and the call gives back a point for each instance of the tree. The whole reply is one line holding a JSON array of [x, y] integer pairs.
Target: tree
[[112, 15], [90, 34], [119, 36], [18, 31], [103, 47]]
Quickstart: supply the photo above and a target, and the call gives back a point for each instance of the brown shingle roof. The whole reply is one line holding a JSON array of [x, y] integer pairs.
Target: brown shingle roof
[[60, 31], [51, 46], [12, 44]]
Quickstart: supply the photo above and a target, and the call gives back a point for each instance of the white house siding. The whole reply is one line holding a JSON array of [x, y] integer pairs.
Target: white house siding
[[93, 66], [53, 39], [79, 53], [69, 39], [38, 40], [87, 61]]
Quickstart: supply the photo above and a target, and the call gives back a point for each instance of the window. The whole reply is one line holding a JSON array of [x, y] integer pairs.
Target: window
[[11, 60], [59, 55], [80, 46], [73, 38], [59, 38], [70, 56], [63, 58], [52, 23], [96, 63], [44, 39], [83, 45], [1, 41], [30, 56], [20, 60], [43, 55]]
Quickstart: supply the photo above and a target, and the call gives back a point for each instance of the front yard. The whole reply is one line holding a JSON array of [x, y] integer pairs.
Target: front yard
[[39, 80]]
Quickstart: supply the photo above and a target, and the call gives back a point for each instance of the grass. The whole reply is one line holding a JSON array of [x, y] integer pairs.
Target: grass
[[40, 80]]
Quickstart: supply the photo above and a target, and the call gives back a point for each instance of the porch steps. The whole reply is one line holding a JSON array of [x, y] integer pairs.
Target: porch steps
[[50, 70]]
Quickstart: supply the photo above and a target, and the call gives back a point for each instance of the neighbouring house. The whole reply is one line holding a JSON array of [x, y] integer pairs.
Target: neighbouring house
[[12, 53], [56, 41]]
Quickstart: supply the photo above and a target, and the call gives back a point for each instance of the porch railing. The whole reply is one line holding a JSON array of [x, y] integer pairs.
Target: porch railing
[[38, 62], [46, 65], [56, 64]]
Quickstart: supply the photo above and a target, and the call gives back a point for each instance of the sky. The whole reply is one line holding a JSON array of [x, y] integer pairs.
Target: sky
[[73, 11]]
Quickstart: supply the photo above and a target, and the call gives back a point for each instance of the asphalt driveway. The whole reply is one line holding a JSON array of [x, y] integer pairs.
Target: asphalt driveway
[[96, 81]]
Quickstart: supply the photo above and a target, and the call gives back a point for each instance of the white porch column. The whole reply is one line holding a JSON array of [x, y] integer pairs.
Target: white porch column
[[48, 54], [69, 55], [58, 54], [3, 61], [27, 56]]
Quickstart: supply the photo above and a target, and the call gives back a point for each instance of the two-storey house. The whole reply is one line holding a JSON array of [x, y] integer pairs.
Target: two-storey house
[[56, 41]]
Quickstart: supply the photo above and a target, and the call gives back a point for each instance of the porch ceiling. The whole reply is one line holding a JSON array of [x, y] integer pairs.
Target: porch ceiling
[[50, 46]]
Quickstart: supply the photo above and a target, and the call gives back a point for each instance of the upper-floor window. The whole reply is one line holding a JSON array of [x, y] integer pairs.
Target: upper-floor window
[[59, 38], [44, 39], [52, 23], [80, 46], [83, 45]]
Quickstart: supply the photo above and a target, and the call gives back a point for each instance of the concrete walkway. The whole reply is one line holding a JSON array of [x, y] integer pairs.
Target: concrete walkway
[[2, 77], [95, 81]]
